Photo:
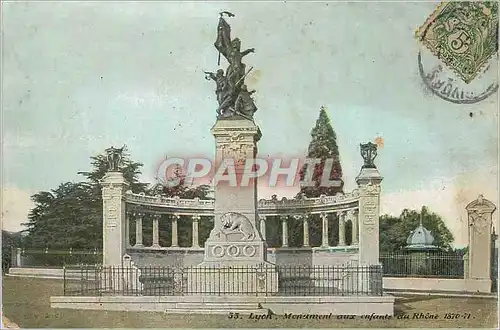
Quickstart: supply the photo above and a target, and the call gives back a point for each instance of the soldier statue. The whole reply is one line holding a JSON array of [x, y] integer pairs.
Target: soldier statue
[[234, 99]]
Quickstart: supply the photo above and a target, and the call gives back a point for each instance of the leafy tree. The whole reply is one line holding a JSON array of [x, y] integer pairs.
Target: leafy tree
[[180, 188], [68, 216], [130, 169], [394, 231], [71, 214]]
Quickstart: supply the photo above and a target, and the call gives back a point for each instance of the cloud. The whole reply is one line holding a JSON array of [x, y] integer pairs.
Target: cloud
[[16, 205]]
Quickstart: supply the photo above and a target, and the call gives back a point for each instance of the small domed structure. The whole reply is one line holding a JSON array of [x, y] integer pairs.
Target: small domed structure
[[420, 239]]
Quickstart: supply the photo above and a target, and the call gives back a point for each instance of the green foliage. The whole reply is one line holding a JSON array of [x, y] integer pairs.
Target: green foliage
[[130, 169], [9, 241], [180, 189], [323, 145], [68, 216], [71, 214], [394, 231]]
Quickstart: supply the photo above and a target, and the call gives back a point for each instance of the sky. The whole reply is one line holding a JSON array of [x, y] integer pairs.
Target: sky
[[78, 77]]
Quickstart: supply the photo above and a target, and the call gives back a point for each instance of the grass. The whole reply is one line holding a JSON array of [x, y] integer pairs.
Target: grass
[[26, 302]]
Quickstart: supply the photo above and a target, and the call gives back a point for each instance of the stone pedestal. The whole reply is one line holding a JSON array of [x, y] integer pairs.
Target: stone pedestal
[[368, 182], [480, 213], [235, 249], [114, 243]]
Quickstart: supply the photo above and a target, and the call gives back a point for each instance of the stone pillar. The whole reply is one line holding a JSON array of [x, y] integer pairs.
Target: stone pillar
[[175, 242], [306, 230], [284, 231], [235, 202], [324, 232], [480, 223], [235, 241], [368, 181], [138, 229], [263, 227], [19, 259], [341, 217], [195, 243], [114, 246], [156, 231], [127, 229], [354, 221]]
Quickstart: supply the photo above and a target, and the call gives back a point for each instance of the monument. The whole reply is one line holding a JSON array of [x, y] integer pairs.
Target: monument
[[235, 240], [368, 181], [480, 222], [115, 230]]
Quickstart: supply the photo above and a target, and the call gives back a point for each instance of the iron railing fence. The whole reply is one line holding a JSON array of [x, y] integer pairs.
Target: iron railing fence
[[36, 258], [285, 280], [424, 264]]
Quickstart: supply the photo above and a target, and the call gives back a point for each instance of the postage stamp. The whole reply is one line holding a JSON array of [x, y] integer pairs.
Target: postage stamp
[[464, 35], [459, 59], [249, 165]]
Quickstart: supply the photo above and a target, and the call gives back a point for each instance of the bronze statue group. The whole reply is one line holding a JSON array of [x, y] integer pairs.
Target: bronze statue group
[[234, 98]]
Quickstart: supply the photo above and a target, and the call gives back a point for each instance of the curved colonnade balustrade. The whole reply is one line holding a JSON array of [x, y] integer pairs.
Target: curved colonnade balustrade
[[343, 206]]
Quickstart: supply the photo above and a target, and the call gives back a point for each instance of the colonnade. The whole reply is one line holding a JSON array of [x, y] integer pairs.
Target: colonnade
[[342, 216], [138, 217]]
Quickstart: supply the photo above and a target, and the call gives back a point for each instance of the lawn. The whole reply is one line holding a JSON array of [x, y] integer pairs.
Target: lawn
[[26, 302]]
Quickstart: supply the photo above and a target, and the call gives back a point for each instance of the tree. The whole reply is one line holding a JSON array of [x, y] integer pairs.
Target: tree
[[394, 231], [180, 188], [71, 214], [130, 169], [10, 240], [68, 216], [323, 146]]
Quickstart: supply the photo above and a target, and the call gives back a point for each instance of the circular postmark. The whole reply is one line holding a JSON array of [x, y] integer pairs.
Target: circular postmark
[[445, 84], [458, 61]]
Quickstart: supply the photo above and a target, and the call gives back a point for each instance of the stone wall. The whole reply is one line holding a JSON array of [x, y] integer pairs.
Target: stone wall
[[288, 256]]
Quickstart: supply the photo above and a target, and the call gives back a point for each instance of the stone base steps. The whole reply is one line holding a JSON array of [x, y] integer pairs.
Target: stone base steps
[[226, 311], [218, 308]]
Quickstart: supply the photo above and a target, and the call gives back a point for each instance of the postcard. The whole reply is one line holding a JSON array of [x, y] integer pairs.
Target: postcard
[[250, 164]]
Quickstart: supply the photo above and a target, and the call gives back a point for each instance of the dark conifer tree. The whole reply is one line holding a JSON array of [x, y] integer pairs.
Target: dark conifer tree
[[323, 146]]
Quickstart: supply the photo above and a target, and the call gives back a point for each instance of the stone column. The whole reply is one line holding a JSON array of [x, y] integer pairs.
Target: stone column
[[263, 227], [156, 231], [195, 243], [114, 187], [324, 232], [341, 217], [284, 234], [480, 223], [19, 259], [368, 181], [138, 229], [235, 194], [306, 230], [127, 229], [174, 230], [354, 221]]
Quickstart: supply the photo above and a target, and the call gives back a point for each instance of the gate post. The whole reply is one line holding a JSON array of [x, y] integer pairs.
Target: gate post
[[479, 215], [368, 181], [114, 187]]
